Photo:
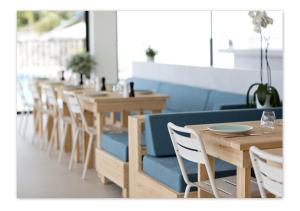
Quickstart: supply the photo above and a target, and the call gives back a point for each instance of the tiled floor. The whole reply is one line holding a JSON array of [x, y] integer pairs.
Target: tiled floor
[[41, 176]]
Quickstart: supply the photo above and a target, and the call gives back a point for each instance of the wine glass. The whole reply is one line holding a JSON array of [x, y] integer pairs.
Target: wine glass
[[267, 121]]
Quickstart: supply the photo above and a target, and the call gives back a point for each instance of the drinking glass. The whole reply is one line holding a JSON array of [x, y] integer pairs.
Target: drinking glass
[[268, 120]]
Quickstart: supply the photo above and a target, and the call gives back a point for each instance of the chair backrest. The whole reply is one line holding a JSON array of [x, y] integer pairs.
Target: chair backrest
[[74, 107], [34, 90], [190, 147], [51, 96], [20, 92], [269, 176]]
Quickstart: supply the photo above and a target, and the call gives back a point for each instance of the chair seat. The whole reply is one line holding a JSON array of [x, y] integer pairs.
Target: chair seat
[[226, 187], [116, 144], [167, 171]]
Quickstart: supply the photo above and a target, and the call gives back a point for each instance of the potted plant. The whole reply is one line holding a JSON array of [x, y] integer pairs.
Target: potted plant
[[82, 63], [264, 94], [150, 53]]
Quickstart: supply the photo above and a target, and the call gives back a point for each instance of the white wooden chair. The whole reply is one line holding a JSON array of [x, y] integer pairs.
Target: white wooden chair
[[66, 121], [192, 149], [268, 171], [27, 108], [80, 127], [52, 110], [40, 108]]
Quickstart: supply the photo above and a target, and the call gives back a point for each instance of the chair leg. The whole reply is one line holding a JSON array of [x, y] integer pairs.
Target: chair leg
[[26, 122], [21, 121], [35, 123], [74, 147], [87, 158], [187, 191], [45, 134], [53, 134], [62, 145]]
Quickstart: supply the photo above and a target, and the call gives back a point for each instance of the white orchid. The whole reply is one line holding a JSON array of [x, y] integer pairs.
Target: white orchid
[[260, 19]]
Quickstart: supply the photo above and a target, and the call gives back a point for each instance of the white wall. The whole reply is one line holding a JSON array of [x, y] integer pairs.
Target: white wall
[[103, 43], [231, 80]]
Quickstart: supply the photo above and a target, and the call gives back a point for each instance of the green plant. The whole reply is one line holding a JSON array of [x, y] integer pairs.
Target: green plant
[[150, 52], [261, 93], [261, 20], [82, 63]]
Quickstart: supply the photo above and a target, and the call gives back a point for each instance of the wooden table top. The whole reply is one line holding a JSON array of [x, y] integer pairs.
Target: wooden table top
[[116, 97], [262, 141]]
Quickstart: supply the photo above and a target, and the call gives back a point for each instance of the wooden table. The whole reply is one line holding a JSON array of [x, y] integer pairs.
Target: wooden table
[[236, 151], [97, 106]]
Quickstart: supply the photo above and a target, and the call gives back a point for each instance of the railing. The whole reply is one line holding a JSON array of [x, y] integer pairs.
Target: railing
[[41, 53], [43, 58]]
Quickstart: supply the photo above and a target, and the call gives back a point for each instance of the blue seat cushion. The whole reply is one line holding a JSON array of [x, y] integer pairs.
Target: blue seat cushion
[[157, 137], [219, 98], [184, 98], [167, 171], [116, 144]]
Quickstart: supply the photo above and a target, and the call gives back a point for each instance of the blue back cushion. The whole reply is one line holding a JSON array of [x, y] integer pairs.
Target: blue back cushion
[[218, 98], [157, 137], [145, 84], [184, 98]]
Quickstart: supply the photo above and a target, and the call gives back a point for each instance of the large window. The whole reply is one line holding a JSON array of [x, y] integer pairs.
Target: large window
[[183, 37], [180, 37], [45, 40], [234, 30]]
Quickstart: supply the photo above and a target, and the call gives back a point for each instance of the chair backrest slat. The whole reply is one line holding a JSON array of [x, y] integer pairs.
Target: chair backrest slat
[[34, 90], [268, 171], [194, 156], [188, 142], [272, 172], [75, 108], [51, 97], [272, 186]]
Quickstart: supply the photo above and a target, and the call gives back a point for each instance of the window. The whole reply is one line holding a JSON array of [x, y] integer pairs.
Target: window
[[45, 40], [183, 37], [179, 37], [236, 27]]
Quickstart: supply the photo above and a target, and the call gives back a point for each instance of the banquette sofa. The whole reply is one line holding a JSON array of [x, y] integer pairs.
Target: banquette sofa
[[154, 169], [113, 155]]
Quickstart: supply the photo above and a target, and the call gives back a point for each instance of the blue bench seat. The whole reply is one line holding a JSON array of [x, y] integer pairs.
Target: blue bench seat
[[167, 171], [116, 144]]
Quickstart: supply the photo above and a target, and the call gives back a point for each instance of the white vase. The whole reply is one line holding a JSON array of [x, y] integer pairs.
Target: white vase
[[150, 59], [267, 102]]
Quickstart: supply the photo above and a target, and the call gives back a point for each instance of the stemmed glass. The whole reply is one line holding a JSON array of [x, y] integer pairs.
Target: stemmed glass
[[268, 120]]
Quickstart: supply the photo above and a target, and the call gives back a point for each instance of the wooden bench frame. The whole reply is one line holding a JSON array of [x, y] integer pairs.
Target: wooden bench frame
[[108, 167], [140, 184]]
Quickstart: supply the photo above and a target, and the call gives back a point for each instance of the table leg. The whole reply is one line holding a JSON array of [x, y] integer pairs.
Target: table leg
[[202, 176], [124, 118], [99, 127], [243, 183], [68, 138], [49, 127], [89, 116]]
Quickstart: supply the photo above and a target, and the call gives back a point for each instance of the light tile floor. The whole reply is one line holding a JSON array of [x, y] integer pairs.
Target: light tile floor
[[41, 176]]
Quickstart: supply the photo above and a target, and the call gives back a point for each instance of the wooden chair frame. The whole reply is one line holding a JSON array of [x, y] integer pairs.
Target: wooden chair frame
[[110, 168]]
